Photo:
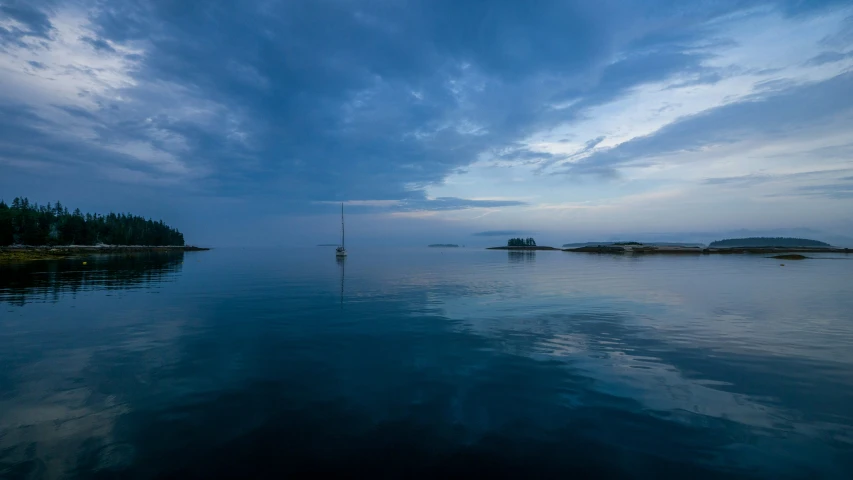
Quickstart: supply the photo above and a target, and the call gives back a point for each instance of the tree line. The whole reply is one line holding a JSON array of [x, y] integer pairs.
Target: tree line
[[521, 242], [767, 242], [28, 223]]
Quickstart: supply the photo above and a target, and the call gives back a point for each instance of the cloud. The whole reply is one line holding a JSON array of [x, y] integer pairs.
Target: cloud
[[829, 57], [774, 116], [23, 19], [833, 190], [743, 180], [337, 114], [451, 203], [499, 233], [428, 106], [425, 204], [758, 178], [98, 44]]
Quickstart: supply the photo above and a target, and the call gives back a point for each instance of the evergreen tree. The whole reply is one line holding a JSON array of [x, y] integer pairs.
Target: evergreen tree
[[521, 242], [32, 224], [7, 231]]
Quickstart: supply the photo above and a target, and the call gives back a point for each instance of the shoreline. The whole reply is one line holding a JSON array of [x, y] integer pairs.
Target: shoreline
[[679, 250], [648, 249], [23, 253]]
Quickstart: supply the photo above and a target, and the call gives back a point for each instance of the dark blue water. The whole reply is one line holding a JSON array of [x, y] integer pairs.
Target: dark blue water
[[425, 362]]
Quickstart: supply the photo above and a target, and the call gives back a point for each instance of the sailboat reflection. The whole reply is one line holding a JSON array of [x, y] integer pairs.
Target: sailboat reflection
[[342, 262]]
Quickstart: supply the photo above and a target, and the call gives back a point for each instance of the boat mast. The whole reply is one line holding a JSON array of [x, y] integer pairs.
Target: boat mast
[[343, 243]]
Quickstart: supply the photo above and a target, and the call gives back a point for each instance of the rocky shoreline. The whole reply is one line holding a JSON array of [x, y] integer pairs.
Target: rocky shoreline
[[49, 252]]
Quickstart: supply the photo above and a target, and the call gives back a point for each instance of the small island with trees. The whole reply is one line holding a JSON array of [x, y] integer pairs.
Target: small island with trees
[[522, 244], [33, 231]]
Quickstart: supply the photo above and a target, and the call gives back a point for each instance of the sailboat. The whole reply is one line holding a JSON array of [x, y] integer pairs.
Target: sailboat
[[341, 251]]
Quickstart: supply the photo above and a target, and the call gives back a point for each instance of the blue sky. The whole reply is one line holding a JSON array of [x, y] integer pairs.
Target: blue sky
[[246, 122]]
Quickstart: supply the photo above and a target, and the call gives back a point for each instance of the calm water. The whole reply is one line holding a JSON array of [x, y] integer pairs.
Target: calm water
[[426, 362]]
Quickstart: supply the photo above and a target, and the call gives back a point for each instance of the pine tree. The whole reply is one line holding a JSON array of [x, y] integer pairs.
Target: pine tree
[[48, 225], [7, 232]]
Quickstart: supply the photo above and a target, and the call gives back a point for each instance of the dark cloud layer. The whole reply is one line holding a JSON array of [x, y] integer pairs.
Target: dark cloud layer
[[289, 105], [356, 101], [499, 233], [30, 17]]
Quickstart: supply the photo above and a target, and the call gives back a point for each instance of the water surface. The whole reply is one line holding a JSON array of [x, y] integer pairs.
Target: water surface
[[246, 363]]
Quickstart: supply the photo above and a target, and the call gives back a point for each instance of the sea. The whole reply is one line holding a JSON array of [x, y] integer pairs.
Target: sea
[[426, 363]]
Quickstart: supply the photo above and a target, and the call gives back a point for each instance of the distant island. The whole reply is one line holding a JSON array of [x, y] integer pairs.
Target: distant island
[[737, 245], [729, 246], [522, 244], [662, 244], [443, 245], [768, 242], [522, 248]]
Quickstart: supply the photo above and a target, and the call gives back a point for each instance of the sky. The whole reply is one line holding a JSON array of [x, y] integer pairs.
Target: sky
[[248, 122]]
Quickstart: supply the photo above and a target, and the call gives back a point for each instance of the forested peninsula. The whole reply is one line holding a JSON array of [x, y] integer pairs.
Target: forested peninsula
[[25, 223], [29, 231]]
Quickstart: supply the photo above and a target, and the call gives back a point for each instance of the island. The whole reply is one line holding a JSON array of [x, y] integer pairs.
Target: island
[[761, 245], [522, 244], [636, 247], [29, 231], [768, 242], [783, 247], [443, 245], [659, 244], [522, 248]]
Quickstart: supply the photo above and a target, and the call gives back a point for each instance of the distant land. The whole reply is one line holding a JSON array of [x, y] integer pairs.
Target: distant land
[[754, 242], [328, 245], [522, 248], [662, 244], [835, 238], [528, 243], [757, 245], [445, 245]]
